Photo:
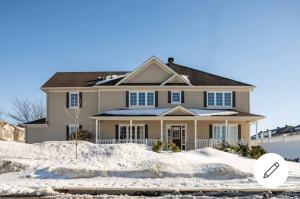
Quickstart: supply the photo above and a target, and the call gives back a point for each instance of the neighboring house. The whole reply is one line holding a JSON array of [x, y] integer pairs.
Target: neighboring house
[[279, 131], [10, 132], [170, 102]]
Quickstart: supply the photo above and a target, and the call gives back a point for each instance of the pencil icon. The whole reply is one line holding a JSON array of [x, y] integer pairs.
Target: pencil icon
[[271, 170]]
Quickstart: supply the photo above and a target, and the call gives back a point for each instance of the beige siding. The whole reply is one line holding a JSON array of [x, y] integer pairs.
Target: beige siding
[[152, 74], [242, 101], [110, 100], [59, 117]]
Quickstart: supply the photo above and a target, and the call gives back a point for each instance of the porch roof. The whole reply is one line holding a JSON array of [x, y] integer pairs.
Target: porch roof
[[162, 112]]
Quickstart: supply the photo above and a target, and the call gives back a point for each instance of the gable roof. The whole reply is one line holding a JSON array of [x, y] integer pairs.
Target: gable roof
[[88, 79]]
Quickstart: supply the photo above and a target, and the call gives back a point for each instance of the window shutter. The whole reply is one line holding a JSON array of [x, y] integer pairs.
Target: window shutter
[[156, 98], [210, 131], [182, 97], [80, 99], [239, 132], [205, 98], [67, 133], [233, 99], [127, 98], [80, 127], [146, 131], [67, 100], [117, 132], [169, 97]]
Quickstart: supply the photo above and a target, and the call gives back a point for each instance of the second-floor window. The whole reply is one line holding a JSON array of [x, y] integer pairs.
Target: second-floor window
[[142, 99], [176, 97], [74, 99], [219, 99]]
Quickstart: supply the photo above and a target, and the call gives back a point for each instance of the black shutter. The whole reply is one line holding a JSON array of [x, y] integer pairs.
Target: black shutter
[[127, 98], [156, 98], [67, 100], [233, 99], [169, 97], [67, 133], [80, 126], [210, 131], [146, 131], [80, 99], [239, 132], [205, 98], [117, 132], [182, 97]]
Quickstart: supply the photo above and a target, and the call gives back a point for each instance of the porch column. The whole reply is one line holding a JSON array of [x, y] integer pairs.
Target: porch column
[[97, 132], [130, 130], [195, 123], [226, 129], [161, 130], [256, 130]]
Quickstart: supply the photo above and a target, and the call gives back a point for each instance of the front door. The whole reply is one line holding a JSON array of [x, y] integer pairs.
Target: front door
[[176, 135]]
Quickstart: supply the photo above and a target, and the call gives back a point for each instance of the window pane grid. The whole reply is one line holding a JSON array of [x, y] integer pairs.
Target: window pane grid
[[176, 97], [141, 99], [211, 99], [74, 99], [219, 99]]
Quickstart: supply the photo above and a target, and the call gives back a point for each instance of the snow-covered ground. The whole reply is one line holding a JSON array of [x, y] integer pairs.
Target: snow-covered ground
[[39, 168]]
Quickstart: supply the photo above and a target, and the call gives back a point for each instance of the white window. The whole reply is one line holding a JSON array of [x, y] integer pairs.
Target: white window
[[175, 97], [141, 99], [74, 99], [219, 132], [219, 99], [73, 128], [138, 131]]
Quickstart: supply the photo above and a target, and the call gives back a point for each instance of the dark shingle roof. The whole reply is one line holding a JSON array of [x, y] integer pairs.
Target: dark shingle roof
[[86, 79], [39, 121], [79, 79], [201, 78]]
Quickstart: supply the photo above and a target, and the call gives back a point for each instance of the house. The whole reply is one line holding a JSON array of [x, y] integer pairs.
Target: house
[[170, 102], [10, 132], [279, 131]]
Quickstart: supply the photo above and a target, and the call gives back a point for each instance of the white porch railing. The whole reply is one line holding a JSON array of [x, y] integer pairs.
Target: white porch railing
[[148, 142], [202, 143]]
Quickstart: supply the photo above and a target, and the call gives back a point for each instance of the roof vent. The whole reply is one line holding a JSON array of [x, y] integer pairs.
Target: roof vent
[[170, 59]]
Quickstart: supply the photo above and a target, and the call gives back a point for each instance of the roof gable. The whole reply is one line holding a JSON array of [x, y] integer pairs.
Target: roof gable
[[153, 71]]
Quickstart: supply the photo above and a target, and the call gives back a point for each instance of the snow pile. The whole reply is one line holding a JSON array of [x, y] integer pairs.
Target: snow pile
[[56, 160]]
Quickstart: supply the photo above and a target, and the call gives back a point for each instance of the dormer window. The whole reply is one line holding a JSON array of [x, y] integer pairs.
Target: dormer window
[[219, 99], [141, 99]]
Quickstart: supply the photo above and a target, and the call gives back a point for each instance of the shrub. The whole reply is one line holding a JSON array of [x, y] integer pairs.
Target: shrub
[[158, 146], [257, 151], [81, 135], [173, 147], [243, 150]]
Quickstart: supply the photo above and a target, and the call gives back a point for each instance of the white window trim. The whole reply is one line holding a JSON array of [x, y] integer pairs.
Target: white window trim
[[226, 132], [128, 130], [70, 105], [146, 99], [73, 126], [172, 102], [223, 99]]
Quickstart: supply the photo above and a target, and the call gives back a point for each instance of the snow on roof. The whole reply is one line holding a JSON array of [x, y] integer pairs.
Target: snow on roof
[[207, 112], [160, 111], [108, 78], [150, 112]]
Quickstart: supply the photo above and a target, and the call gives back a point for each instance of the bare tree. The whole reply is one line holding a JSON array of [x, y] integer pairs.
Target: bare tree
[[26, 111], [75, 118]]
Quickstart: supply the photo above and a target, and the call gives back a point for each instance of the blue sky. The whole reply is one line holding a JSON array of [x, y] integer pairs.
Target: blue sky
[[252, 41]]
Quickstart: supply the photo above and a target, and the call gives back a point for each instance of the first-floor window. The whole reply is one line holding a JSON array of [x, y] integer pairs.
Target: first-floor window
[[219, 132], [138, 131], [73, 128]]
